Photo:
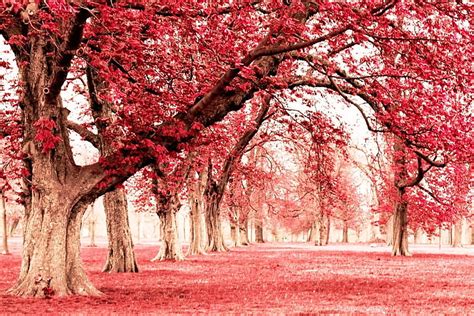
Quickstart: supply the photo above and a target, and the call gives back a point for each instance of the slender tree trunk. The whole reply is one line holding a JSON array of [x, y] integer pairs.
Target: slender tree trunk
[[328, 231], [400, 228], [92, 225], [457, 233], [3, 216], [345, 232], [121, 257], [322, 230], [13, 226], [170, 246], [259, 231], [313, 233]]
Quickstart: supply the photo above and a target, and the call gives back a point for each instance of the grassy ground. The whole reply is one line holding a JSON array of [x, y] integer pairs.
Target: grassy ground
[[269, 278]]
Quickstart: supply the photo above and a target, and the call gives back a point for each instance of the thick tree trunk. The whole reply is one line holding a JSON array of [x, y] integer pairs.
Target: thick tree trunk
[[400, 229], [215, 238], [345, 232], [51, 263], [457, 233], [313, 233], [196, 244], [120, 257], [259, 231], [170, 248]]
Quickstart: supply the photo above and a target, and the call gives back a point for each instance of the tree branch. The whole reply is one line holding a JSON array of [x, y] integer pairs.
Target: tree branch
[[84, 133]]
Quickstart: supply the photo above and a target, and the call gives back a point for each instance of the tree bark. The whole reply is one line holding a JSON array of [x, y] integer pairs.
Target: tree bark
[[51, 263], [196, 244], [3, 217], [418, 235], [328, 231], [170, 246], [457, 233], [259, 231], [215, 238], [236, 227], [400, 228], [120, 257], [345, 232]]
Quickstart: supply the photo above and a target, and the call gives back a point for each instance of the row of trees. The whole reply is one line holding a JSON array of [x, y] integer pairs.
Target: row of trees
[[156, 78]]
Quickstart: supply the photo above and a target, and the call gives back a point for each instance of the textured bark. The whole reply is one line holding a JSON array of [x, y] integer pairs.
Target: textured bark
[[215, 239], [196, 244], [3, 218], [170, 247], [400, 230], [322, 231], [51, 263], [120, 257]]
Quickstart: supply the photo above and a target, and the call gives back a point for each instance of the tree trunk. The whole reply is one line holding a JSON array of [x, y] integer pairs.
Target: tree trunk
[[120, 257], [3, 217], [418, 235], [259, 231], [244, 236], [13, 226], [322, 230], [196, 237], [345, 232], [215, 239], [328, 231], [313, 233], [457, 233], [236, 228], [51, 263], [170, 246], [400, 229], [389, 231]]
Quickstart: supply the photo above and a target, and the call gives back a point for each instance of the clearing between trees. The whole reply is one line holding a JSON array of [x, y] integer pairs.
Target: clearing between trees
[[270, 278]]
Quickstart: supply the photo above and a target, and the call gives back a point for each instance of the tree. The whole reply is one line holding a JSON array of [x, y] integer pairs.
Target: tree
[[184, 69]]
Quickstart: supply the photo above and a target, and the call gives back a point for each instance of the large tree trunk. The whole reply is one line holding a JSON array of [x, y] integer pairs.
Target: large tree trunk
[[196, 244], [215, 238], [51, 263], [259, 231], [400, 228], [120, 257], [313, 232], [170, 248]]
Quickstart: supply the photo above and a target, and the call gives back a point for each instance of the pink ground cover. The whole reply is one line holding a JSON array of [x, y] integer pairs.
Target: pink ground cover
[[268, 278]]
